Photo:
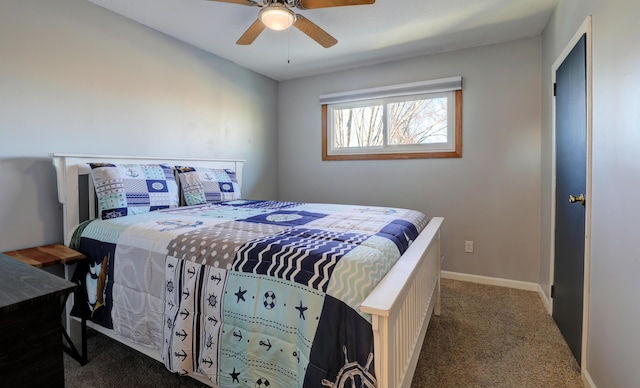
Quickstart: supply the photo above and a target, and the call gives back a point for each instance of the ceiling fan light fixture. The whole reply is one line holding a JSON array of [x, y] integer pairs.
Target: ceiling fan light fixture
[[277, 17]]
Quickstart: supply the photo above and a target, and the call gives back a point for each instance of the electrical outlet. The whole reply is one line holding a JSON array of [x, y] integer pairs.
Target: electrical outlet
[[468, 246]]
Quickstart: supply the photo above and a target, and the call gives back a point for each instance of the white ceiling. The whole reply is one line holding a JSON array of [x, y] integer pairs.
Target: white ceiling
[[366, 34]]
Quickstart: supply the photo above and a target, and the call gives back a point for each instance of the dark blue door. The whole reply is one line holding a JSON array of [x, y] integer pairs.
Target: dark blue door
[[571, 172]]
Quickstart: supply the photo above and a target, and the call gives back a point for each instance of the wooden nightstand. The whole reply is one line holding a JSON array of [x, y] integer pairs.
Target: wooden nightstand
[[48, 255]]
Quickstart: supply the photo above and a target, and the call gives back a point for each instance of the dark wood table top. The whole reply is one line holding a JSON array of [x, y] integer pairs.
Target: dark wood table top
[[21, 284]]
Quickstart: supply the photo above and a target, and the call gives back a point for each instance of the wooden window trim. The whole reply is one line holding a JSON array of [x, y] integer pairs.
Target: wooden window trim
[[457, 153]]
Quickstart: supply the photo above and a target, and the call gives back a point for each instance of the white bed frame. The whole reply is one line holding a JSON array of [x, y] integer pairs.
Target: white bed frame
[[401, 305]]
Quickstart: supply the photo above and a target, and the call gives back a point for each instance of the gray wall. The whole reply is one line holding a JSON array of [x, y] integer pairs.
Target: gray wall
[[489, 196], [613, 348], [76, 78]]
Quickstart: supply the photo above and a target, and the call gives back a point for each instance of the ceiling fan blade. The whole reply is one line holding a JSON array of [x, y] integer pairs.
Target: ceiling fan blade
[[241, 2], [313, 4], [314, 32], [251, 33]]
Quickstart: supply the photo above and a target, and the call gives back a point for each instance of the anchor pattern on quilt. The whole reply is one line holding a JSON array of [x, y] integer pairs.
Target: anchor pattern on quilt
[[193, 300]]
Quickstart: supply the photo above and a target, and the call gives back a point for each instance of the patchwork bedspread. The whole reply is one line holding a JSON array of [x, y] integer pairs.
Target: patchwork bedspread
[[248, 293]]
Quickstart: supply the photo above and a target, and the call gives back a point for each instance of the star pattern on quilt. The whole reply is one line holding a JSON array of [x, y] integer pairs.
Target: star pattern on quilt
[[240, 295], [234, 375], [302, 309]]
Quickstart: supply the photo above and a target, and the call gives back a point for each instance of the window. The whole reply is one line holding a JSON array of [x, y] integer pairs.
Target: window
[[416, 120]]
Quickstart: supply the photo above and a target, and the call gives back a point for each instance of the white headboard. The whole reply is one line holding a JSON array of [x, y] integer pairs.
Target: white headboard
[[70, 167]]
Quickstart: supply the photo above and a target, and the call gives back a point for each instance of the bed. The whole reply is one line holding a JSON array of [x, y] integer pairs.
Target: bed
[[237, 292]]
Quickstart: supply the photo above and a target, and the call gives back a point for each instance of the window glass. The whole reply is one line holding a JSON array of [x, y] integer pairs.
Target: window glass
[[418, 121], [357, 127]]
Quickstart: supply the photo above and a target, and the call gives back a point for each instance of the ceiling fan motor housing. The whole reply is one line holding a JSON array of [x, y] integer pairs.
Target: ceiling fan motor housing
[[277, 16]]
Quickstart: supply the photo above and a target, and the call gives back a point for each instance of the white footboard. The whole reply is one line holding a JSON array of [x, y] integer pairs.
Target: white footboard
[[402, 305]]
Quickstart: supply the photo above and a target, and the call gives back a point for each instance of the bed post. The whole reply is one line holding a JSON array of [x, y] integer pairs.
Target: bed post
[[67, 178], [436, 306], [67, 181]]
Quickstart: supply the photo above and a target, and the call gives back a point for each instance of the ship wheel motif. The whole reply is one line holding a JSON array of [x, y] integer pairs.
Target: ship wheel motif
[[352, 372]]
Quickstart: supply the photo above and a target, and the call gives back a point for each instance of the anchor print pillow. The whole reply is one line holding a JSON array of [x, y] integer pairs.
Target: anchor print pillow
[[202, 185], [128, 189]]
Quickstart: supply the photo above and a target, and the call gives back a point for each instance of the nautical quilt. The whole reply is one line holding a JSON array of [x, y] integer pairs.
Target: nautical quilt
[[247, 293]]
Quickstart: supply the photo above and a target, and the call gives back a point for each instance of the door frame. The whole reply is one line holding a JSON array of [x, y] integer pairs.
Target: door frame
[[585, 28]]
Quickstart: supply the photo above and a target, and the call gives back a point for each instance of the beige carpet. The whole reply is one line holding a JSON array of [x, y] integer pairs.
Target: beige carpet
[[487, 336]]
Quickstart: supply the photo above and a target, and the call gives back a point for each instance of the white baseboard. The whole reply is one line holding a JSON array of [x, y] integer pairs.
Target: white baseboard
[[490, 281], [546, 301], [528, 286], [586, 379]]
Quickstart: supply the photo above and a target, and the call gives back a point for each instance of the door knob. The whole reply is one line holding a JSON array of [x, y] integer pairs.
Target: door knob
[[580, 198]]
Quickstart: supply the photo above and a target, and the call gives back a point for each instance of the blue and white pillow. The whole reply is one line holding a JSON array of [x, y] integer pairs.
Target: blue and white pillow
[[127, 189], [202, 185]]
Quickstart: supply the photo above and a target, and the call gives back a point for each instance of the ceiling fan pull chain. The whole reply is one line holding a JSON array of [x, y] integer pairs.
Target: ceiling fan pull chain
[[289, 45]]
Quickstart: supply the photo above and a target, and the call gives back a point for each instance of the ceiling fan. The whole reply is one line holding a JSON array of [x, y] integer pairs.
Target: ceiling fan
[[279, 15]]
